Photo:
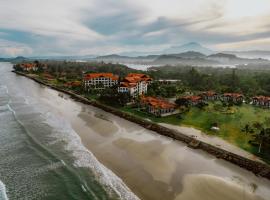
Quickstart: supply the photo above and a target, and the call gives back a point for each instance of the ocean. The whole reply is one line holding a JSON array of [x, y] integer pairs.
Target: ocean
[[41, 155]]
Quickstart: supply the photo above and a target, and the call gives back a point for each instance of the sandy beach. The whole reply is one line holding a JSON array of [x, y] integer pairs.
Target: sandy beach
[[153, 167]]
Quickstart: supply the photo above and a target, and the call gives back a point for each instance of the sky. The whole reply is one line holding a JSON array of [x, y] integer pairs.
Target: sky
[[95, 27]]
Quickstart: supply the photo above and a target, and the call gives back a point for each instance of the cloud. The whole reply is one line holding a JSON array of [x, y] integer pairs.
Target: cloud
[[71, 27], [8, 48]]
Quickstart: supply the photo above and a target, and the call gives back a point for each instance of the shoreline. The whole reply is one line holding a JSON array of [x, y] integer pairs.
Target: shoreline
[[258, 168]]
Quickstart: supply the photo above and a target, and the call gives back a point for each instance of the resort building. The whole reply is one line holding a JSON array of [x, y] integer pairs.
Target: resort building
[[234, 97], [157, 107], [209, 96], [192, 100], [99, 80], [29, 67], [262, 101], [135, 84]]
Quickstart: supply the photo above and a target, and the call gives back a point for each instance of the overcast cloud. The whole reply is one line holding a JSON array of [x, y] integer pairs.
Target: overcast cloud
[[81, 27]]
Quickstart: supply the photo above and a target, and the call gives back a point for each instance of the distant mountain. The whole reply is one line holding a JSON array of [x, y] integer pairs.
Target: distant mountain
[[251, 54], [231, 59], [223, 55], [190, 54], [184, 59], [16, 59], [192, 46], [61, 58], [114, 58]]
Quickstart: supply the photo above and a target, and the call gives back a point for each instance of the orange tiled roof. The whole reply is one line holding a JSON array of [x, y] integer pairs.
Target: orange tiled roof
[[209, 93], [27, 65], [99, 75], [138, 75], [234, 95], [262, 98], [157, 103], [193, 98], [134, 78], [127, 84]]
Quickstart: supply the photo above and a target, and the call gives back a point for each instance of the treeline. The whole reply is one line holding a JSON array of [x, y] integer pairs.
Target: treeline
[[248, 81], [74, 70]]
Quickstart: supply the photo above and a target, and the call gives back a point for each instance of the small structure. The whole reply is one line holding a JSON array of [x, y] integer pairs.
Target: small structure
[[99, 80], [209, 96], [168, 81], [73, 84], [135, 84], [262, 101], [192, 100], [158, 107], [233, 97], [48, 76]]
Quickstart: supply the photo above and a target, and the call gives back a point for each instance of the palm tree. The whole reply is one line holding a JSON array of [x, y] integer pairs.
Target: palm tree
[[263, 137]]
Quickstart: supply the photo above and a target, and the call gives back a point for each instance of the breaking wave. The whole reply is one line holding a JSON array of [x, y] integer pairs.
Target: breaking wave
[[63, 132], [3, 195]]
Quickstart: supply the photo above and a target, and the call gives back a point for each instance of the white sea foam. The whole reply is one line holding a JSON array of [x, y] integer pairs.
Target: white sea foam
[[85, 158], [3, 194]]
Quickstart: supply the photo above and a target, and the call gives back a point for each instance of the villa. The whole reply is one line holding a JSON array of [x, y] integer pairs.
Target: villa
[[209, 96], [192, 100], [135, 84], [99, 80], [234, 97], [158, 107], [262, 101]]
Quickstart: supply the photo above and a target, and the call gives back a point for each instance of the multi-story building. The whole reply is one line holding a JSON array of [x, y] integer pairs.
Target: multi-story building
[[135, 84], [99, 80]]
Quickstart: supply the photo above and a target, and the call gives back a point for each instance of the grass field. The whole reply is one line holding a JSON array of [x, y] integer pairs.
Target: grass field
[[230, 120]]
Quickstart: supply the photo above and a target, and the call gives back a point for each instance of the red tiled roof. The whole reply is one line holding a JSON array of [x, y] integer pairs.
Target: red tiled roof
[[193, 98], [209, 93], [157, 103], [99, 75], [127, 84], [132, 79], [262, 98], [234, 95], [27, 65]]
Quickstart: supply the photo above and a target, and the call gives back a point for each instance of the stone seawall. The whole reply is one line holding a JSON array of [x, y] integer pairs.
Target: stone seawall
[[257, 168]]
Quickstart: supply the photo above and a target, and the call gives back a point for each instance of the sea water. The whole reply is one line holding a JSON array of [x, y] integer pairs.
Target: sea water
[[41, 156]]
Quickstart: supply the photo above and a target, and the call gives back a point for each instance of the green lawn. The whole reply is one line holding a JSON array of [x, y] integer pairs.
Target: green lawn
[[230, 121]]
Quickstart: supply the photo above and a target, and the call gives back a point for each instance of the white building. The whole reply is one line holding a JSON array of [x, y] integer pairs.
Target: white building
[[99, 80], [135, 84]]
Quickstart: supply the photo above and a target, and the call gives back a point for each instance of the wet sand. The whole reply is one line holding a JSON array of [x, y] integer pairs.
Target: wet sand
[[153, 167], [214, 188]]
